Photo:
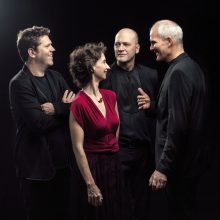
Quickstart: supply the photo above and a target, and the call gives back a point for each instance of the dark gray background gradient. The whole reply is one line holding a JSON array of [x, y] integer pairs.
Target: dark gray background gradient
[[79, 22]]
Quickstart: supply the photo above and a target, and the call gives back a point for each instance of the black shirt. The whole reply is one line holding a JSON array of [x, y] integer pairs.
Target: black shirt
[[135, 124]]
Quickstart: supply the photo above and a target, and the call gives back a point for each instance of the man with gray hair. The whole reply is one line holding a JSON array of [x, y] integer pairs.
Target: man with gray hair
[[181, 108]]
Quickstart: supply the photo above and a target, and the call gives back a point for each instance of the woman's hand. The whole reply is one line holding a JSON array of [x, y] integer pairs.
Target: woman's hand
[[94, 195]]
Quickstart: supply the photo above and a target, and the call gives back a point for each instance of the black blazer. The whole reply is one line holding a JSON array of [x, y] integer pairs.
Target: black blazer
[[181, 119], [38, 134]]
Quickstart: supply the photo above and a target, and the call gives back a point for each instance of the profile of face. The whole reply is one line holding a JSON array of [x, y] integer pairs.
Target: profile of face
[[160, 46], [100, 69], [43, 54], [126, 46]]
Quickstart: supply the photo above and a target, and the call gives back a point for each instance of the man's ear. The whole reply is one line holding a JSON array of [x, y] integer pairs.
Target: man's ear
[[137, 48], [170, 41], [31, 52]]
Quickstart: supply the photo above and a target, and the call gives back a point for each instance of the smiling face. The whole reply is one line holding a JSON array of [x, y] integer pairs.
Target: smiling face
[[101, 68], [44, 52], [160, 46], [126, 46]]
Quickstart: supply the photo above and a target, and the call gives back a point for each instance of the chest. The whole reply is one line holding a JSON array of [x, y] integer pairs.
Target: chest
[[45, 90], [99, 106]]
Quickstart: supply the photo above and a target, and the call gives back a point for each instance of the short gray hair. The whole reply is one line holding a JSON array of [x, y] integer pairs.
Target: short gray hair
[[168, 28]]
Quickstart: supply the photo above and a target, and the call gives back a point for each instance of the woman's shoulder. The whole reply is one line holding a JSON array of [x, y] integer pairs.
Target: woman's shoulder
[[79, 99], [107, 92], [108, 95]]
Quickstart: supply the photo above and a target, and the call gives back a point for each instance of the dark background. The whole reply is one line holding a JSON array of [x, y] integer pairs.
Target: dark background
[[79, 22]]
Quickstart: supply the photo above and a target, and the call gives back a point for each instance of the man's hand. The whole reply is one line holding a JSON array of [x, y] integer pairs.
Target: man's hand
[[68, 97], [143, 99], [48, 108], [157, 180]]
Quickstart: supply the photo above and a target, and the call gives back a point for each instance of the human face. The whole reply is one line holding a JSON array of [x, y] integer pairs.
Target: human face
[[101, 68], [44, 52], [160, 46], [126, 47]]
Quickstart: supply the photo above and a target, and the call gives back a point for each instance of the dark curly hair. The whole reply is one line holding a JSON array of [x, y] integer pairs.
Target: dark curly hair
[[29, 38], [82, 59]]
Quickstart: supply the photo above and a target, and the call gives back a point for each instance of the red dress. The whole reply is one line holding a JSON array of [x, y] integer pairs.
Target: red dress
[[99, 131], [101, 149]]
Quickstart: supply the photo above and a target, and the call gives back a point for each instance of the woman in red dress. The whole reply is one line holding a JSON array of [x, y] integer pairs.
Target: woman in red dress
[[94, 126]]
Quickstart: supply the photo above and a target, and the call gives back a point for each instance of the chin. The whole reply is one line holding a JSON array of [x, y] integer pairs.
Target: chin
[[121, 60]]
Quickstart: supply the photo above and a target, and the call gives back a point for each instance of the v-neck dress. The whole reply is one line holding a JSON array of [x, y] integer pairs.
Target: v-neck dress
[[99, 131], [101, 148]]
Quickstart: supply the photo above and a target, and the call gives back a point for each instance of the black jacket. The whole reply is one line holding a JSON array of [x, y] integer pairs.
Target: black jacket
[[42, 141], [180, 143]]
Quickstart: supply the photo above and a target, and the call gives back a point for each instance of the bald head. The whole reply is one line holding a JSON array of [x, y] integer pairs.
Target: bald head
[[126, 46], [128, 33], [168, 29]]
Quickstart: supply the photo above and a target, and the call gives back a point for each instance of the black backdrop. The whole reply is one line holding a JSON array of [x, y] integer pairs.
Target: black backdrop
[[79, 22]]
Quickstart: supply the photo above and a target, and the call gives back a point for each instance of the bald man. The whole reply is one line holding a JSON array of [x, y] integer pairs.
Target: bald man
[[136, 89]]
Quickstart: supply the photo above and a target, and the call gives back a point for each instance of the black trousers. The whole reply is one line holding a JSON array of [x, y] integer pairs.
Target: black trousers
[[182, 196], [48, 200], [137, 166]]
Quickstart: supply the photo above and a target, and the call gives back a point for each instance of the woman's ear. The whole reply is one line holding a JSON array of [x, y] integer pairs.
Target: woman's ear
[[92, 70]]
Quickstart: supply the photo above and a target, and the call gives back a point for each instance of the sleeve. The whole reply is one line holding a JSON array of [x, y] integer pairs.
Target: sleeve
[[24, 104], [78, 113], [62, 109], [179, 96]]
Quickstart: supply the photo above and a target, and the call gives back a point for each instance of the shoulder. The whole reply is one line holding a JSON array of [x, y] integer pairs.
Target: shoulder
[[147, 69], [148, 74], [79, 102], [114, 69], [79, 99], [185, 63], [108, 93], [186, 67], [21, 79], [16, 78]]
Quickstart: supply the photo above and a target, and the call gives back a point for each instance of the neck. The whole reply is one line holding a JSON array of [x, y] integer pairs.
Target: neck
[[92, 88], [35, 69], [176, 52], [128, 66]]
